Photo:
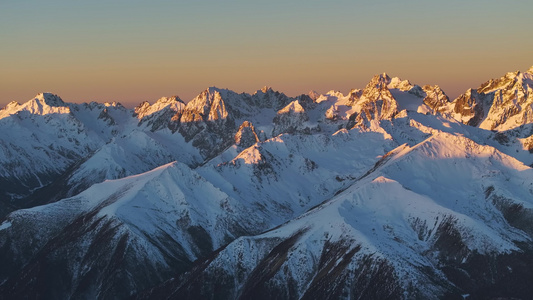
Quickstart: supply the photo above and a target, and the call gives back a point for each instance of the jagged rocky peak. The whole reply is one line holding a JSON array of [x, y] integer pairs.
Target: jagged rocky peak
[[246, 135], [114, 104], [266, 89], [141, 107], [379, 81], [50, 99], [498, 104], [209, 120], [402, 85], [211, 93], [313, 95], [292, 108], [268, 98], [377, 101], [173, 103], [435, 99], [353, 96], [510, 81], [306, 102], [46, 99], [469, 107], [290, 119], [378, 88], [208, 106]]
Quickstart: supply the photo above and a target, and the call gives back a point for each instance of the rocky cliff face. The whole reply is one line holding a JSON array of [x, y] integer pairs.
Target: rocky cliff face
[[498, 104]]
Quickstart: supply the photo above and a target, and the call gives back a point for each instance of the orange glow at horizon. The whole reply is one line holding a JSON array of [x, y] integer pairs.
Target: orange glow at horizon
[[112, 52]]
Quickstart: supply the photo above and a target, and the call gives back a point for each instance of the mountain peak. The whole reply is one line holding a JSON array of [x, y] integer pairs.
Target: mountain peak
[[380, 80], [50, 99], [246, 135], [41, 104], [530, 71], [293, 107], [162, 107], [214, 89], [266, 89], [383, 77], [313, 95]]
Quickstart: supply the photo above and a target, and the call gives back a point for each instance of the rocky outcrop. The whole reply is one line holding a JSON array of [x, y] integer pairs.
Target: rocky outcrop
[[498, 104], [246, 136], [435, 99]]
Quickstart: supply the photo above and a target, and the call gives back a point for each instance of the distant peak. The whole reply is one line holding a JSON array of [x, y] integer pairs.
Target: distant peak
[[313, 95], [293, 107], [210, 90], [265, 89], [530, 71], [113, 104], [41, 104], [50, 99], [382, 78]]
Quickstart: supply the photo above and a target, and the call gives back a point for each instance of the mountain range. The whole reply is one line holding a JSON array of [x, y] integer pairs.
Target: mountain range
[[393, 191]]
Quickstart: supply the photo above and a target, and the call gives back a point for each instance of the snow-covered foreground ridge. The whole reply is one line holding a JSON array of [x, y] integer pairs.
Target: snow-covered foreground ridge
[[390, 191]]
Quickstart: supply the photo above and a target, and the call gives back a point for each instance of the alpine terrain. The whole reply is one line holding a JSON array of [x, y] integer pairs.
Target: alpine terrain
[[393, 191]]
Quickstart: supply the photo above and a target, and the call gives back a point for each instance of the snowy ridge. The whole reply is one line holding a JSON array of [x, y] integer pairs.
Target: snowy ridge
[[397, 225], [390, 191], [42, 104], [183, 217]]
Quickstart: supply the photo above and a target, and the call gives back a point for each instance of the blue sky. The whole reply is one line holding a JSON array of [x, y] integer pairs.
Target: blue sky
[[132, 51]]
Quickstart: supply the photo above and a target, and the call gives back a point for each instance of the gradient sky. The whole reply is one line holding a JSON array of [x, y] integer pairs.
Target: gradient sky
[[133, 51]]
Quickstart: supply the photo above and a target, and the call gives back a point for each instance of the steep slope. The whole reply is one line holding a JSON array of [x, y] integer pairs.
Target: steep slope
[[40, 140], [408, 229], [284, 176], [118, 237], [51, 149]]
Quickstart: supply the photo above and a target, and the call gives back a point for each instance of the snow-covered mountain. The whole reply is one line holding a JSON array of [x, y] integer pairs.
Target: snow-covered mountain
[[498, 104], [443, 218], [392, 191], [52, 149]]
